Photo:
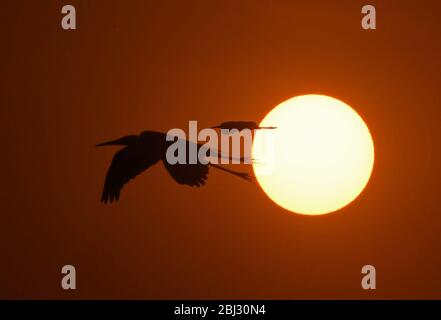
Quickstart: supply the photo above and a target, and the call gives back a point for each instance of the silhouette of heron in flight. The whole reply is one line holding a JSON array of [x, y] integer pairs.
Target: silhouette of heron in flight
[[241, 125], [143, 151]]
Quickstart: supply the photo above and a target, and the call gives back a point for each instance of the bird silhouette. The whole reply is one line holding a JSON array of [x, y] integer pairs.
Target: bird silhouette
[[240, 125], [143, 151]]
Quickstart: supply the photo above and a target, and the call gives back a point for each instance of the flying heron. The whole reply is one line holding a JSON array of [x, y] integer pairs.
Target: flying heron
[[143, 151]]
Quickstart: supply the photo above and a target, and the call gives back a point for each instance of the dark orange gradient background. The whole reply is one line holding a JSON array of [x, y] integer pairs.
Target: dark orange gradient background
[[137, 65]]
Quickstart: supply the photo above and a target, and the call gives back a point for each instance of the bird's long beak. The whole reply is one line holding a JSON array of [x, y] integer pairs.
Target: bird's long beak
[[109, 143], [124, 141]]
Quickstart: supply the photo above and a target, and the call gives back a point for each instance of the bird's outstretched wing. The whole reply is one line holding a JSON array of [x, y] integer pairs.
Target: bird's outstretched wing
[[126, 165], [191, 174]]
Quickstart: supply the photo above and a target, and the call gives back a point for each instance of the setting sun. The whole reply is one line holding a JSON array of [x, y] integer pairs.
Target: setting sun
[[320, 157]]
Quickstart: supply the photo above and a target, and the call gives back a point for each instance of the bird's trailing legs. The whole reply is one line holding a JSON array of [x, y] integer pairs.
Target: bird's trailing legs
[[220, 155], [242, 175]]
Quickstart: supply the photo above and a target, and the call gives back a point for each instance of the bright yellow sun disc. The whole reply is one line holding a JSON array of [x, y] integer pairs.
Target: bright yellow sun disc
[[318, 159]]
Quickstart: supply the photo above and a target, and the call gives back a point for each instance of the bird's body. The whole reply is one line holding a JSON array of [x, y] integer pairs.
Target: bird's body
[[143, 151], [241, 125]]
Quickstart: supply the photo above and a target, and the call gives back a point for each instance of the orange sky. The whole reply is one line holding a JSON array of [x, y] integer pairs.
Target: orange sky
[[138, 65]]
